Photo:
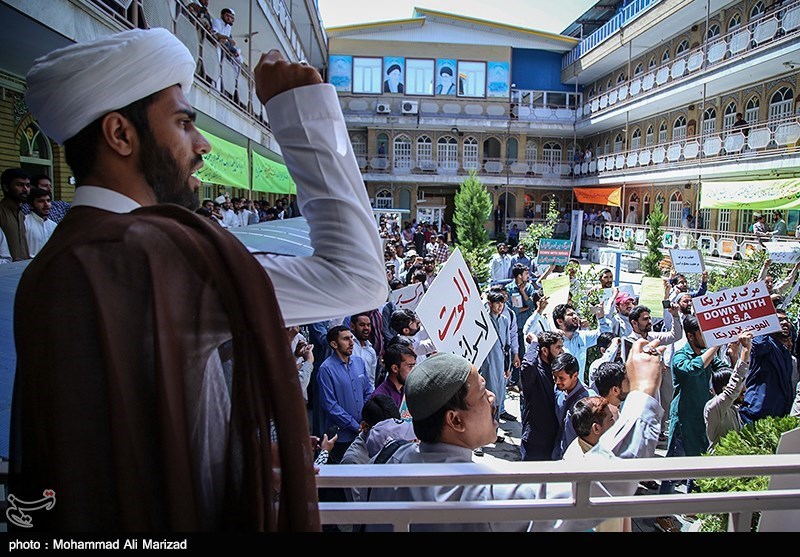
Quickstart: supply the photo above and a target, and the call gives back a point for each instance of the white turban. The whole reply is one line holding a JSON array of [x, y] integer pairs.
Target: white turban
[[72, 87]]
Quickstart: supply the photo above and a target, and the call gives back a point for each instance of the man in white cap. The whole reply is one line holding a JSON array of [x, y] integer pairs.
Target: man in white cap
[[453, 414], [167, 404]]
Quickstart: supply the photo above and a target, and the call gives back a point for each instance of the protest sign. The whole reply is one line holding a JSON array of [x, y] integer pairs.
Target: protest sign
[[407, 297], [687, 260], [651, 295], [453, 314], [783, 252], [723, 315], [556, 290], [554, 252]]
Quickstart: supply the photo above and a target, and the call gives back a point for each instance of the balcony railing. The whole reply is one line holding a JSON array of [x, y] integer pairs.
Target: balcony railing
[[284, 16], [783, 25], [767, 140], [400, 515], [400, 165], [626, 15]]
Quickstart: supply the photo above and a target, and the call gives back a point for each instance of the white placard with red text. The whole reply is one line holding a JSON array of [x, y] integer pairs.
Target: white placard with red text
[[723, 315], [407, 297], [453, 314]]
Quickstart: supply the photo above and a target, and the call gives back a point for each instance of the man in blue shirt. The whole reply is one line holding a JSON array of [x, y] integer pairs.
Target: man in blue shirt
[[576, 340], [344, 387], [768, 386]]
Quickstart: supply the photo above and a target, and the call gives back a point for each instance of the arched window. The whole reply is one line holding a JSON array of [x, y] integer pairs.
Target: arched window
[[645, 207], [652, 63], [729, 116], [35, 155], [471, 161], [402, 152], [606, 147], [648, 136], [383, 144], [675, 209], [609, 85], [512, 150], [734, 22], [679, 129], [425, 152], [713, 31], [757, 11], [531, 154], [618, 143], [491, 149], [639, 70], [620, 78], [662, 132], [636, 139], [447, 152], [383, 199], [709, 121], [683, 46], [404, 199], [751, 109], [780, 104], [665, 57], [551, 156]]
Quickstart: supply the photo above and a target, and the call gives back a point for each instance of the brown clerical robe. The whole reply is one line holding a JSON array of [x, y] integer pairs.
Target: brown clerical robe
[[115, 321]]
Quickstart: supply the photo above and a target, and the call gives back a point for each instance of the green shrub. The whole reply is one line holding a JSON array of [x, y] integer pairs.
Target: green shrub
[[759, 438]]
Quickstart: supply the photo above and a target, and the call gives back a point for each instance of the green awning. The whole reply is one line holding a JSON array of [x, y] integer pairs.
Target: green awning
[[226, 164], [754, 194], [271, 177]]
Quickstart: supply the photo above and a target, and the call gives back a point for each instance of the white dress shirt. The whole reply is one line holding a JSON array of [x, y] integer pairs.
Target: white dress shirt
[[37, 231]]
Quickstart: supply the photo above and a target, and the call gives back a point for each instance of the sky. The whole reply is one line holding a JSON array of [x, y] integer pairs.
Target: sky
[[534, 14]]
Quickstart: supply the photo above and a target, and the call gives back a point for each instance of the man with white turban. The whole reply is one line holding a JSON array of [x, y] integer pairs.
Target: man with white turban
[[175, 404]]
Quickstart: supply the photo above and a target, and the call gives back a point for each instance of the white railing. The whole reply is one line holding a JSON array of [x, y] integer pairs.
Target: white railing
[[764, 140], [743, 41], [484, 166], [581, 505]]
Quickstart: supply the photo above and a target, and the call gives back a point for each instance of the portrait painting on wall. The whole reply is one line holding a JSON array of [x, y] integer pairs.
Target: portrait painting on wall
[[341, 72], [445, 77], [393, 74], [498, 81]]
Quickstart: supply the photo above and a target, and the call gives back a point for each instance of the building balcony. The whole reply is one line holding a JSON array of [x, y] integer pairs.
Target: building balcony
[[749, 54], [764, 150]]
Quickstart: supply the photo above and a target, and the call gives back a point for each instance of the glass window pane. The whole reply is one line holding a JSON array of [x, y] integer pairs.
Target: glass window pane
[[471, 79], [419, 77], [367, 76]]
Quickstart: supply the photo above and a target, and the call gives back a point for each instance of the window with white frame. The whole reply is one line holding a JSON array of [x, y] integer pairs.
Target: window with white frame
[[402, 152], [638, 70], [665, 57], [683, 46], [606, 147], [471, 79], [367, 75], [531, 154], [447, 152], [652, 63], [734, 22], [713, 31], [471, 161], [745, 221], [679, 129], [723, 220], [780, 105], [709, 121], [618, 143], [645, 207], [424, 152], [662, 133], [636, 139], [359, 143], [757, 11], [729, 117], [751, 110], [705, 215], [675, 209], [648, 136], [419, 77], [551, 156], [620, 78], [383, 199]]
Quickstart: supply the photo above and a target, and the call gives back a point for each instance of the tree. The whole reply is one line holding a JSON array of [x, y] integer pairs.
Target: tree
[[538, 231], [650, 262], [473, 206]]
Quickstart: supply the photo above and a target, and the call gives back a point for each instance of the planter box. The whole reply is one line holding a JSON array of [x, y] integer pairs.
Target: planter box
[[629, 264]]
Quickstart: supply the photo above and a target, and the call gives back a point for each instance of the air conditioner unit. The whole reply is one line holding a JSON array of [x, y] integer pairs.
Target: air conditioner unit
[[383, 108], [410, 107]]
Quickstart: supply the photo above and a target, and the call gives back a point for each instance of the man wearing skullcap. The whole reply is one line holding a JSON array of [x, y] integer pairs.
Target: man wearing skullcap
[[452, 414], [175, 384]]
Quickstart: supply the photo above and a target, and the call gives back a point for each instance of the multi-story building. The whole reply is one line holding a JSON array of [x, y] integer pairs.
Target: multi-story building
[[246, 160], [651, 88]]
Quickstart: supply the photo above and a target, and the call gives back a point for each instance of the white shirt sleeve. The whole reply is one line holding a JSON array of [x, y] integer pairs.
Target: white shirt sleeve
[[346, 274]]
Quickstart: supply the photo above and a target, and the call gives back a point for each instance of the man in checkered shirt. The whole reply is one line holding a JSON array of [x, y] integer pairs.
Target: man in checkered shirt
[[442, 251]]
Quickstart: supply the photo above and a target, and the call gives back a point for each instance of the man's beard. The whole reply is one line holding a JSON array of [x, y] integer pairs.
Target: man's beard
[[570, 326], [164, 174]]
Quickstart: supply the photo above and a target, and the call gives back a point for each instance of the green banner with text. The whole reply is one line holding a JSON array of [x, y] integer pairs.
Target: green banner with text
[[226, 164], [271, 177]]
